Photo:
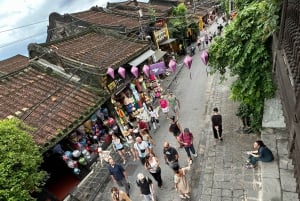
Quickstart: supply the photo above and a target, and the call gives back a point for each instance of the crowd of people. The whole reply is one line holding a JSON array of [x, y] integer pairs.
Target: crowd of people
[[141, 146]]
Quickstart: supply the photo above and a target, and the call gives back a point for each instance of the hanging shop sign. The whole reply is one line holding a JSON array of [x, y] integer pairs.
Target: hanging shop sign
[[157, 68], [161, 35]]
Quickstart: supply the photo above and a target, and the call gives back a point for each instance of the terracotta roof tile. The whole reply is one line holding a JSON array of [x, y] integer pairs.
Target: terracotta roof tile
[[99, 50], [107, 19], [13, 64], [160, 9], [48, 103]]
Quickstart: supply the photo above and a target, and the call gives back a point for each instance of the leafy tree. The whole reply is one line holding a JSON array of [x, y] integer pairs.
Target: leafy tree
[[19, 162], [244, 50], [178, 24]]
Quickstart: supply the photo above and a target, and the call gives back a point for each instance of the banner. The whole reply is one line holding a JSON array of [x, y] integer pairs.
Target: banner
[[157, 68]]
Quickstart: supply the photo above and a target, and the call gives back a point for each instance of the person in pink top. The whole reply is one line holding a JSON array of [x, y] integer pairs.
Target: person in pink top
[[186, 139], [164, 105]]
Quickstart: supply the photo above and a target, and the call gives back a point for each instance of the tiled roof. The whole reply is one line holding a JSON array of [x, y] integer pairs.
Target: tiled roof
[[49, 103], [98, 49], [107, 19], [13, 64], [128, 8]]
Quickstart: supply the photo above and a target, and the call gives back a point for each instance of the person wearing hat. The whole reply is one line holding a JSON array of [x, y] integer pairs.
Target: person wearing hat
[[146, 187]]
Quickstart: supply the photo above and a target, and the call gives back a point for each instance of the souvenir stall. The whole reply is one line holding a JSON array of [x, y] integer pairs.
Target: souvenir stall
[[132, 102]]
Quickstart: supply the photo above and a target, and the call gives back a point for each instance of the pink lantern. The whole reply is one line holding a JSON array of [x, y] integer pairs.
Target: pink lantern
[[146, 70], [111, 72], [135, 71], [188, 61], [172, 65], [204, 57], [121, 72]]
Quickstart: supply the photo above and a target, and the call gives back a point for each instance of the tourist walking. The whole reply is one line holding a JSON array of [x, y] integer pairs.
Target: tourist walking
[[261, 153], [175, 128], [186, 139], [118, 175], [216, 120], [119, 195], [152, 165], [154, 117], [170, 155], [118, 147], [164, 105], [130, 141], [181, 183], [146, 187], [104, 155], [148, 139], [142, 149], [174, 104]]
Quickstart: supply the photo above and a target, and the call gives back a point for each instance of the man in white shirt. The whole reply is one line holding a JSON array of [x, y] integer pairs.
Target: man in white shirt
[[142, 149]]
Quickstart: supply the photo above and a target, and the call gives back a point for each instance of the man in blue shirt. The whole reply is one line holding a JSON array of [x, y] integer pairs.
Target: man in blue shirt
[[118, 174]]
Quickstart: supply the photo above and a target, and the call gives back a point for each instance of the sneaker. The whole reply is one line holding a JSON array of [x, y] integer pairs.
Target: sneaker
[[187, 196], [182, 196], [191, 162], [248, 166], [195, 155]]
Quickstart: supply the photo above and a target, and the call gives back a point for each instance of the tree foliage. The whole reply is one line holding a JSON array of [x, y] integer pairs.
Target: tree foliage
[[19, 162], [244, 50], [179, 22]]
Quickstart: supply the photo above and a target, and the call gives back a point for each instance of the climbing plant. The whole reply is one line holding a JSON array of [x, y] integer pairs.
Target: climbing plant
[[244, 51], [20, 161]]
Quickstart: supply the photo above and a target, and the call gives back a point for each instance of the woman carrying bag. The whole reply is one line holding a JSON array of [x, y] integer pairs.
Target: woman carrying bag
[[152, 165]]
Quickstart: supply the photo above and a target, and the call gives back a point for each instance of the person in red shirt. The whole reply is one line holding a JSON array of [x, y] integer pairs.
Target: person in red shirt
[[143, 126], [164, 105], [186, 139]]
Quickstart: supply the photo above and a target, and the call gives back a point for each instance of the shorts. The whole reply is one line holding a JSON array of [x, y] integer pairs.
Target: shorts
[[165, 110], [120, 149]]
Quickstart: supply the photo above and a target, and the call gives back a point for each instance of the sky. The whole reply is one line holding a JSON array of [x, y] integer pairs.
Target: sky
[[25, 21]]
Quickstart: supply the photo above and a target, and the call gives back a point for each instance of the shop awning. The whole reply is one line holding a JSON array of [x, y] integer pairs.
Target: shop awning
[[170, 40], [158, 55], [140, 59]]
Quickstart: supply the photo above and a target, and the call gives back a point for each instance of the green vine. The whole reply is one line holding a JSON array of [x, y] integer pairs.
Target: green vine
[[244, 51]]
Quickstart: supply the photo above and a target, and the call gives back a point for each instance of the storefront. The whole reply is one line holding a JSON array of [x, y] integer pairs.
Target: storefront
[[72, 159]]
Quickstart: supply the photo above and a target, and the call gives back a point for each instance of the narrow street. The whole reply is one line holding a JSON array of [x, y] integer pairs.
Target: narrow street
[[192, 94]]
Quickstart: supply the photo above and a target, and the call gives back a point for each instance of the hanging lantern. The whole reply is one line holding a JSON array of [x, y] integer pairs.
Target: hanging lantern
[[122, 72], [188, 61], [172, 65], [146, 70], [135, 71], [204, 57], [111, 72]]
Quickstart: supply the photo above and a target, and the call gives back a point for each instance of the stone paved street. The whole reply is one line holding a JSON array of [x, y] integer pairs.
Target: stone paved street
[[218, 173]]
